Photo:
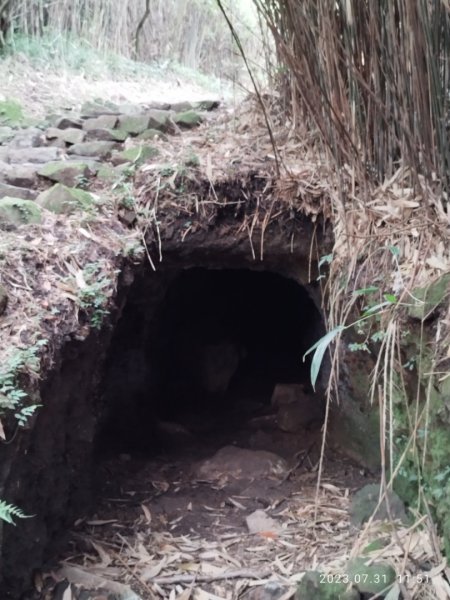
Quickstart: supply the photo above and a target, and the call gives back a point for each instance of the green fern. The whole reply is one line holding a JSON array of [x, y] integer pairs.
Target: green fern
[[8, 511]]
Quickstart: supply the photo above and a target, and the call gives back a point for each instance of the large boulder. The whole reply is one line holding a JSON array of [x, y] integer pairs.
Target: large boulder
[[16, 211]]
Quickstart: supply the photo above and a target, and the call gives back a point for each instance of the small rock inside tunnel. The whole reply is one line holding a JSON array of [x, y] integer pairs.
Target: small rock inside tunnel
[[211, 356]]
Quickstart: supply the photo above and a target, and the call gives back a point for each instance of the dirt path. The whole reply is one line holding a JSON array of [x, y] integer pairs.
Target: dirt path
[[177, 522]]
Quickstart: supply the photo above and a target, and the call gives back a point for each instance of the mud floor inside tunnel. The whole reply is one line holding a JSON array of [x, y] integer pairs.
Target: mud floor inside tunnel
[[210, 437]]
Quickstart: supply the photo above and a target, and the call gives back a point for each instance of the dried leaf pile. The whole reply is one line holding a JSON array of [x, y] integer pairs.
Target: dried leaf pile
[[145, 559]]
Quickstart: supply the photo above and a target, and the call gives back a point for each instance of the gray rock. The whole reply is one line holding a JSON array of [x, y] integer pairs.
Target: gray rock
[[32, 155], [152, 119], [111, 174], [151, 134], [15, 211], [133, 124], [159, 105], [270, 591], [61, 199], [159, 119], [365, 501], [259, 521], [241, 463], [6, 134], [297, 409], [18, 175], [106, 135], [188, 119], [17, 192], [137, 155], [68, 123], [98, 108], [69, 173], [101, 122], [69, 135], [93, 149], [181, 106], [28, 138], [207, 104], [3, 299], [131, 109]]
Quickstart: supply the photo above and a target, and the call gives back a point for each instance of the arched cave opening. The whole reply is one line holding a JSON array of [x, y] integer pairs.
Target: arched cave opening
[[199, 352]]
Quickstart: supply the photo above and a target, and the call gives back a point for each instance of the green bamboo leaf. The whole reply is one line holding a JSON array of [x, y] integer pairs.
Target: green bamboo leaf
[[319, 350], [367, 290], [376, 308], [390, 298]]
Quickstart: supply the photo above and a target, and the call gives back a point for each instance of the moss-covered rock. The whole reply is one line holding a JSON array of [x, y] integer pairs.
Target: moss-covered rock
[[365, 501], [355, 425], [429, 298], [70, 174], [61, 199], [151, 134], [93, 149], [110, 174], [106, 135], [16, 211], [69, 135], [152, 119], [207, 104], [101, 122], [318, 586], [188, 119], [98, 107], [375, 578], [136, 155]]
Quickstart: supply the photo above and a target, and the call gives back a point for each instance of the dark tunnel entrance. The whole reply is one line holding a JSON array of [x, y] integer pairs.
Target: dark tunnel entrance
[[200, 351]]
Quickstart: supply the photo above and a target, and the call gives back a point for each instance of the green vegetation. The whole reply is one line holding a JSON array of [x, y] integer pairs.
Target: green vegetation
[[184, 37], [11, 112], [8, 512], [13, 400], [94, 293], [12, 395]]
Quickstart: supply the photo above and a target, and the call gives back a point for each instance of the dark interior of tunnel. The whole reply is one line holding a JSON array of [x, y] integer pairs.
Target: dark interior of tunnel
[[200, 348]]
